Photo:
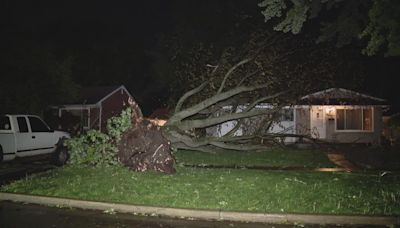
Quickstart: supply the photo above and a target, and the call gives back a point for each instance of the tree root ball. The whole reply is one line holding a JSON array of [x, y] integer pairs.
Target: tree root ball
[[143, 147]]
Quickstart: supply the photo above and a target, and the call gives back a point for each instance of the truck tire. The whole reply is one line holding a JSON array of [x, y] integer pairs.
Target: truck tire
[[61, 154]]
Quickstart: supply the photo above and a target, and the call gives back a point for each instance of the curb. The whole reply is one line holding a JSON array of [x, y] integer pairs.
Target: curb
[[204, 214]]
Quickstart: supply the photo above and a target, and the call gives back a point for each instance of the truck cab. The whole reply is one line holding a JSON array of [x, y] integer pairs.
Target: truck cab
[[28, 135]]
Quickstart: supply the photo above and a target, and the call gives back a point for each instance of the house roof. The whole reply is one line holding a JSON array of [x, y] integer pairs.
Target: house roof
[[340, 96], [91, 96]]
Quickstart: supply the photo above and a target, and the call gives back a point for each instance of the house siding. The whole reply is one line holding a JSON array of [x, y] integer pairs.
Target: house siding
[[94, 118], [302, 121]]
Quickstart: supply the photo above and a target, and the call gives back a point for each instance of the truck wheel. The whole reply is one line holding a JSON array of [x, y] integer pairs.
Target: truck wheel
[[61, 155]]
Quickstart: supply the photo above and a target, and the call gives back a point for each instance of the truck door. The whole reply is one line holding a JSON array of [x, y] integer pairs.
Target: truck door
[[41, 135], [25, 145], [7, 139]]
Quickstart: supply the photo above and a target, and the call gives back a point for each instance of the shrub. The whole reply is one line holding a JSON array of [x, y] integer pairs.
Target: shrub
[[117, 125], [95, 148]]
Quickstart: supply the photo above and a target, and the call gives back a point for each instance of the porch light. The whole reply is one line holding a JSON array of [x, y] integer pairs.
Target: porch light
[[330, 111]]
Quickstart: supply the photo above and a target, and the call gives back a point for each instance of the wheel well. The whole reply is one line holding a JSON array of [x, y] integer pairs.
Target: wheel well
[[60, 141]]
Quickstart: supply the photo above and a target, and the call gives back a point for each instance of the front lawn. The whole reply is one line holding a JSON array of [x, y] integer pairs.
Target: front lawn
[[275, 157], [225, 189]]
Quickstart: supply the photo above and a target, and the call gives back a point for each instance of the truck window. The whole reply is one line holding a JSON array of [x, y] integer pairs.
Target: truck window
[[37, 125], [23, 127], [5, 123]]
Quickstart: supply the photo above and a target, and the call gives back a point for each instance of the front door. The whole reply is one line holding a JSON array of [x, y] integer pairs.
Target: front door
[[317, 119]]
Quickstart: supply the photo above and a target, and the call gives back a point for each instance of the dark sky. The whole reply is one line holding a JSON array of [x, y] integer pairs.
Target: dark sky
[[75, 22], [134, 26]]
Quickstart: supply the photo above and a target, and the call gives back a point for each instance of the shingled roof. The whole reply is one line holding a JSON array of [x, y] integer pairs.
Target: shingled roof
[[95, 94], [340, 96]]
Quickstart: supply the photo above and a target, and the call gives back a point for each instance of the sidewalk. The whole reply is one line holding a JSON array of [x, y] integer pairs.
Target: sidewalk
[[205, 214], [340, 160]]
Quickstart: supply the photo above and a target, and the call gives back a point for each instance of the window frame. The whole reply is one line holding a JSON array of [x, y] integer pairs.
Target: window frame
[[18, 118], [362, 119], [3, 124], [39, 121]]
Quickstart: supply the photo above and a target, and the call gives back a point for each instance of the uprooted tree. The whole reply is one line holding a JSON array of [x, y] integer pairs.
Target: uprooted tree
[[272, 72], [146, 146]]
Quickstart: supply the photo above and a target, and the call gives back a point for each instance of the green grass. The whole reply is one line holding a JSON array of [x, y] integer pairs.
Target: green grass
[[276, 157], [235, 190]]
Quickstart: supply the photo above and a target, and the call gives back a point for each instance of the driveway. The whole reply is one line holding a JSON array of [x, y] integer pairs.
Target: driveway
[[15, 170]]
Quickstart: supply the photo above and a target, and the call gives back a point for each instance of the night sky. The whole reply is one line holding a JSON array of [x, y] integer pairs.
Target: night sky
[[112, 41]]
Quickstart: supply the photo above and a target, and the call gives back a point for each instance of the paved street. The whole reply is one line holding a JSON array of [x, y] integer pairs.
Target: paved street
[[40, 216], [15, 215]]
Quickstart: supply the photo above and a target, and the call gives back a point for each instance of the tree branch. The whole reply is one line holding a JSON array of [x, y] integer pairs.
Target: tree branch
[[212, 100], [188, 94], [230, 71], [240, 147], [247, 76], [203, 123]]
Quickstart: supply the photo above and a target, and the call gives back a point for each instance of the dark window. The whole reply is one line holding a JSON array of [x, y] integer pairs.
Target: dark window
[[23, 127], [37, 125], [287, 115], [5, 123]]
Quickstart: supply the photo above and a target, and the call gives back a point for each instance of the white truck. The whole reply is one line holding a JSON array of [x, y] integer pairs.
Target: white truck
[[28, 135]]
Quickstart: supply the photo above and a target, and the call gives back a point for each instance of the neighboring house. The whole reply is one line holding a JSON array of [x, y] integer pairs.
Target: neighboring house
[[94, 107], [332, 115]]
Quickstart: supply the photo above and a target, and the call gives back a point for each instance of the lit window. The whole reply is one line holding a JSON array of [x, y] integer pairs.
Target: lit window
[[354, 119]]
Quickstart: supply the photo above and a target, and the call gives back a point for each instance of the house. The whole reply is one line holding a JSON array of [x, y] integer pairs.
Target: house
[[332, 115], [92, 109]]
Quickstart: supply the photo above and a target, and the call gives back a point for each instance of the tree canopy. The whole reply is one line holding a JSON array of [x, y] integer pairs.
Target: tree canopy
[[376, 22]]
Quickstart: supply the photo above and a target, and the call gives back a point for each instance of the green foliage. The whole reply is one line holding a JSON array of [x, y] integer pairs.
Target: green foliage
[[295, 16], [119, 124], [383, 28], [99, 149], [377, 21], [93, 148]]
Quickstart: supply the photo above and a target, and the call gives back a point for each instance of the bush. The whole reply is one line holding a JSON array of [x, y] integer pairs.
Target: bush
[[117, 125], [96, 148]]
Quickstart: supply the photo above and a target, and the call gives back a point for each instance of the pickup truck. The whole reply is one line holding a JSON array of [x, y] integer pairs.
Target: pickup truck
[[28, 135]]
